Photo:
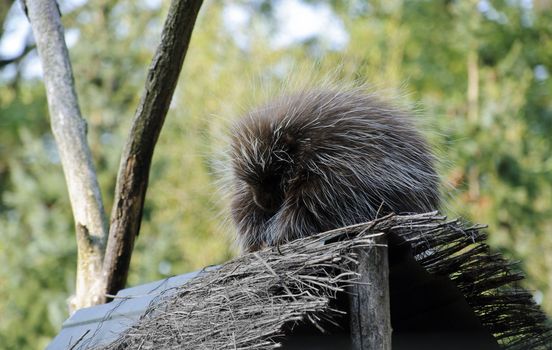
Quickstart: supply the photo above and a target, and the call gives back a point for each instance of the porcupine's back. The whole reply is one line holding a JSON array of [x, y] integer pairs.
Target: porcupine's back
[[322, 159]]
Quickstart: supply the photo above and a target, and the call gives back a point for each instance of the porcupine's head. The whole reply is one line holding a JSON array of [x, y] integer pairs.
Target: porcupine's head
[[321, 159]]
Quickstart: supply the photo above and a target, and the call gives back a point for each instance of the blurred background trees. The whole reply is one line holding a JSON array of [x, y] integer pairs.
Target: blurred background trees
[[479, 70]]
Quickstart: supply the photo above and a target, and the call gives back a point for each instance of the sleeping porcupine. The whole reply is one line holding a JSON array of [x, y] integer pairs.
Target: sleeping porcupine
[[322, 159]]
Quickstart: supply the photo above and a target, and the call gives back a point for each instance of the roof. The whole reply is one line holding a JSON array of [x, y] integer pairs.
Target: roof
[[441, 272], [99, 325]]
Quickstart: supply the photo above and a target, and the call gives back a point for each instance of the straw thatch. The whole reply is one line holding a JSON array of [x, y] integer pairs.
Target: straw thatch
[[245, 303]]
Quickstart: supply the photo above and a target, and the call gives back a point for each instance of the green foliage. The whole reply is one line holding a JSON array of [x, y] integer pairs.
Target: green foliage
[[494, 137]]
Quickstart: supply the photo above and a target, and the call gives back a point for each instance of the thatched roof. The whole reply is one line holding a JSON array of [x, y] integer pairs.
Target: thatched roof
[[247, 302]]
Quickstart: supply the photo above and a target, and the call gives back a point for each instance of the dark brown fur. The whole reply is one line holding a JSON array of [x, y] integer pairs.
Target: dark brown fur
[[322, 159]]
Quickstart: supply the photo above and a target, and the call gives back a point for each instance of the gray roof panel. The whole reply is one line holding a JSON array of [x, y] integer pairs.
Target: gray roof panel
[[101, 324]]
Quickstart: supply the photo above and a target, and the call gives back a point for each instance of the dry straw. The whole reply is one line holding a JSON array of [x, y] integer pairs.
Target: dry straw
[[245, 303]]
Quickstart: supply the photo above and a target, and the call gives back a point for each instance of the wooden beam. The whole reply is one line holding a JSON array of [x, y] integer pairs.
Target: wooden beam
[[369, 309]]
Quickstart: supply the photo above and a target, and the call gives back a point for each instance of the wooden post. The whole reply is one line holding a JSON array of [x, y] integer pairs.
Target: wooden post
[[369, 310]]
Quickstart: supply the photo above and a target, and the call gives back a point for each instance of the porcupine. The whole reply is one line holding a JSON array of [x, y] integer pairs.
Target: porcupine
[[325, 158]]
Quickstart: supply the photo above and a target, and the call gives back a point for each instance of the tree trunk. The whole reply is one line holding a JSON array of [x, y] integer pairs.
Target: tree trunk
[[97, 276], [69, 130], [132, 179]]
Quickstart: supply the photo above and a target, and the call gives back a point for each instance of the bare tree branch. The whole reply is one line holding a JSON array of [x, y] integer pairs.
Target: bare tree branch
[[133, 173], [20, 56], [5, 6], [70, 130]]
